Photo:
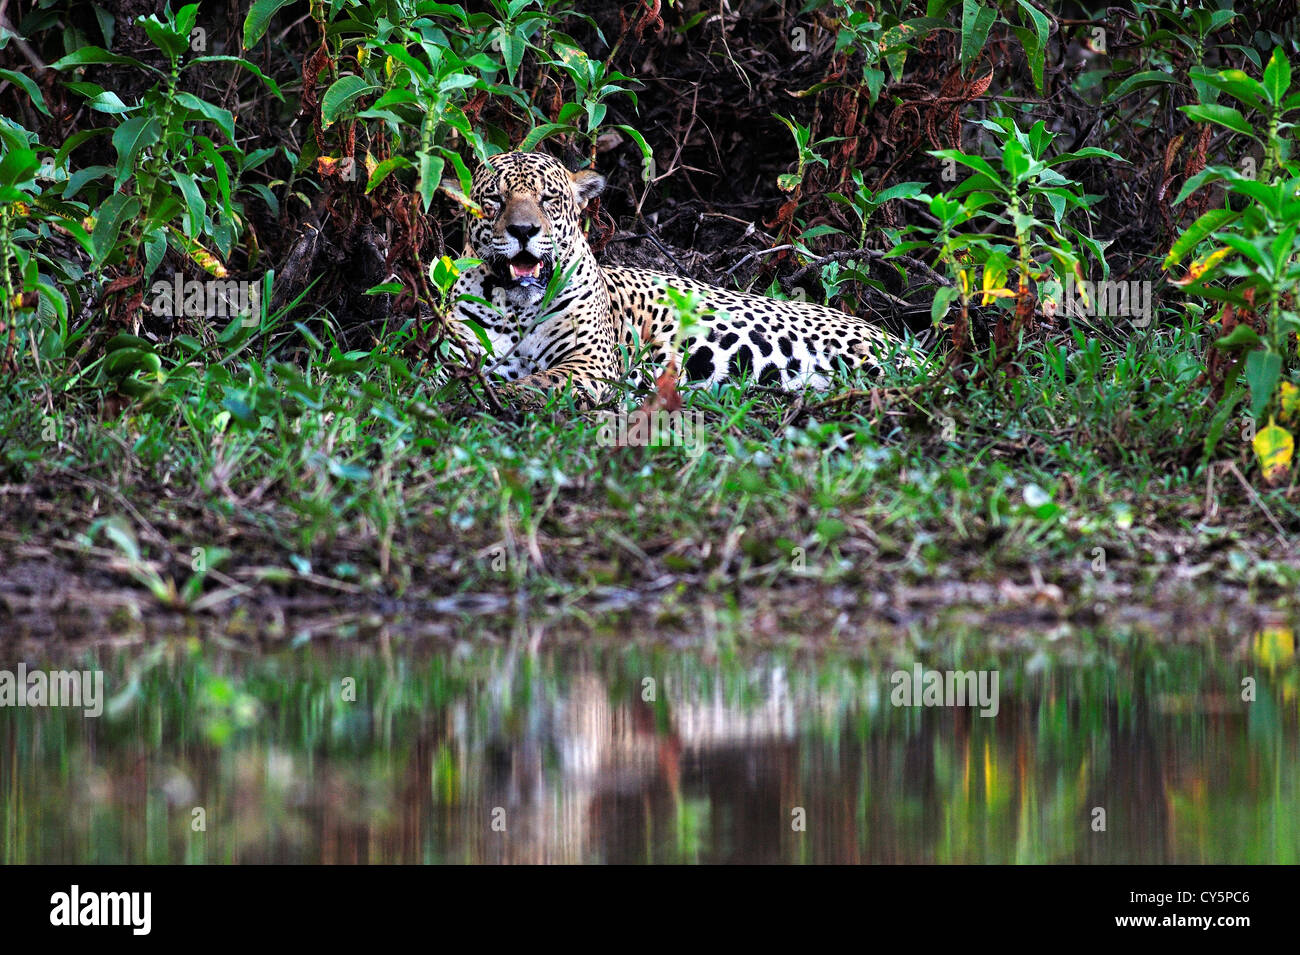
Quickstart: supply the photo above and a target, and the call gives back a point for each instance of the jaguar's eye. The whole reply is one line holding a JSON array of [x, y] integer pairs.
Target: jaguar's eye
[[491, 205]]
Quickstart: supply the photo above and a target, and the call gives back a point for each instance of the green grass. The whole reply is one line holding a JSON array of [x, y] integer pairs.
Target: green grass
[[374, 473]]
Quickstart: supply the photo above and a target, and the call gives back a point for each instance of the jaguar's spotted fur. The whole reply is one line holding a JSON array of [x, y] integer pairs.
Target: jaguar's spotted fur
[[531, 230]]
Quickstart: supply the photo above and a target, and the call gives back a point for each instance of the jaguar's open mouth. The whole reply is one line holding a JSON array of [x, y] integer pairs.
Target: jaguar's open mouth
[[527, 270]]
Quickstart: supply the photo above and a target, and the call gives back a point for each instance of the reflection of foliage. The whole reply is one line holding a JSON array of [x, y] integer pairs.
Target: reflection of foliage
[[426, 739]]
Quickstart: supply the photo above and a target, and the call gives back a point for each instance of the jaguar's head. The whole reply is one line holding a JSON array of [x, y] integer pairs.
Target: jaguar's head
[[531, 219]]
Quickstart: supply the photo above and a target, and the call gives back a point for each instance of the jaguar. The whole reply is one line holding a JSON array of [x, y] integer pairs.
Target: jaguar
[[553, 317]]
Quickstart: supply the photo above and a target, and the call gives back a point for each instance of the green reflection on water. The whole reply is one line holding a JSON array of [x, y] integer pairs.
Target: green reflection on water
[[579, 758]]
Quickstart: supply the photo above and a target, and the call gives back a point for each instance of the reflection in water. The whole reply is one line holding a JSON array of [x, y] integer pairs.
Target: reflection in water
[[618, 753]]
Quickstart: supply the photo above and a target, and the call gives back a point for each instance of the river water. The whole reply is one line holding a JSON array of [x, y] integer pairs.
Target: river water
[[509, 741]]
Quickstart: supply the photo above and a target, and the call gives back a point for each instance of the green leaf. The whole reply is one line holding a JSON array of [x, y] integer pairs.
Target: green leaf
[[544, 131], [106, 101], [1087, 152], [1014, 160], [1247, 248], [647, 154], [874, 80], [1220, 115], [1208, 174], [976, 20], [1034, 53], [345, 91], [1195, 232], [28, 86], [221, 117], [185, 18], [481, 334], [1269, 196], [1241, 336], [89, 55], [193, 201], [818, 231], [974, 162], [259, 18], [78, 179], [251, 67], [166, 37], [1263, 369], [901, 190], [126, 361], [116, 211], [1277, 77], [462, 171], [386, 168], [217, 164], [155, 247], [1235, 83], [512, 49], [75, 140], [430, 176], [18, 167], [943, 297], [1141, 81], [129, 139]]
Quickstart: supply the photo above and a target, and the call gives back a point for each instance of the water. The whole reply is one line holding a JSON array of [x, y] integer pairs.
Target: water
[[510, 742]]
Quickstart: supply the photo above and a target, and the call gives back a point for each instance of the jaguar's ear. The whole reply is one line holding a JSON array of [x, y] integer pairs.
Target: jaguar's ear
[[586, 186]]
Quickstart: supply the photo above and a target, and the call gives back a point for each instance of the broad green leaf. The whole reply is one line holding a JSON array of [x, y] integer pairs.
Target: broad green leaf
[[89, 55], [1141, 81], [116, 211], [1034, 53], [345, 91], [18, 167], [1263, 370], [1247, 248], [1277, 77], [155, 247], [1235, 83], [129, 139], [78, 179], [28, 86], [166, 37], [1220, 115], [974, 162], [901, 190], [544, 131], [194, 203], [251, 67], [222, 117], [430, 177], [385, 168], [109, 102], [1206, 175], [1195, 233], [943, 297], [259, 18], [1042, 32], [75, 140], [1241, 336], [217, 164], [976, 20]]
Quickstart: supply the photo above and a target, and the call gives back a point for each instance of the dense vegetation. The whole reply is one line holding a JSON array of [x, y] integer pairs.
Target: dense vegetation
[[227, 236]]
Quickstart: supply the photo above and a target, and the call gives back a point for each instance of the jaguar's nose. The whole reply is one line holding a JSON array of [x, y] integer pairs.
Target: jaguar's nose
[[523, 231]]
